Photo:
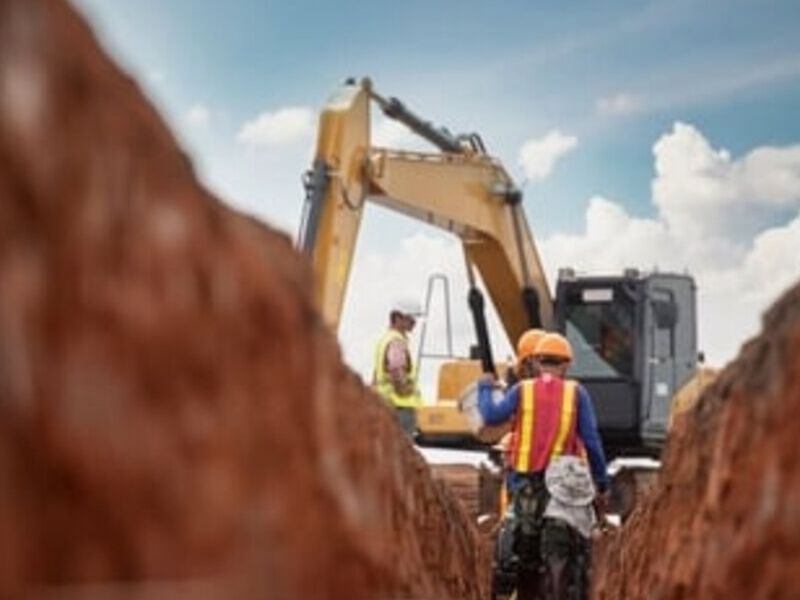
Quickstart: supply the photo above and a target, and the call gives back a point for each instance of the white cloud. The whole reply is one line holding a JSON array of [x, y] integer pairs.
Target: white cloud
[[265, 184], [622, 104], [702, 192], [772, 265], [390, 133], [539, 156], [283, 126], [612, 241], [198, 115]]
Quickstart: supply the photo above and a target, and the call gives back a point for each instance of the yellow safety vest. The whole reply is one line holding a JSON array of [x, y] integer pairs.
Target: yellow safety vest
[[382, 379]]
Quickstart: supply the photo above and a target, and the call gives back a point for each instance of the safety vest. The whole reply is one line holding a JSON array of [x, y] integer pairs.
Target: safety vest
[[545, 424], [382, 379]]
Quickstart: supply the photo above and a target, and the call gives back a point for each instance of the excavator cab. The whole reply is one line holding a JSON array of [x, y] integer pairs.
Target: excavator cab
[[635, 345]]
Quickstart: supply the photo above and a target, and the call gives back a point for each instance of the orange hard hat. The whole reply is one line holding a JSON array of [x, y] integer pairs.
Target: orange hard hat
[[554, 344], [526, 346]]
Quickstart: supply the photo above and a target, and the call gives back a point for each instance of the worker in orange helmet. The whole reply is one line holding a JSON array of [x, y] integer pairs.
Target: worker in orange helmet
[[553, 430], [552, 416], [527, 368]]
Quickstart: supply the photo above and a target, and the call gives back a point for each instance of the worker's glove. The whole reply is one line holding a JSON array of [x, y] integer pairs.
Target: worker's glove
[[468, 405]]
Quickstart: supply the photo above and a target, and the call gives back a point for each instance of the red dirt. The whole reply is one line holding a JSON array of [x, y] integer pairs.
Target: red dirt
[[174, 417], [724, 519], [477, 488], [464, 482]]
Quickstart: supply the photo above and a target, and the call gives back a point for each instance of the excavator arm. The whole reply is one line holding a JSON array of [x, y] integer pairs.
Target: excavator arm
[[461, 189]]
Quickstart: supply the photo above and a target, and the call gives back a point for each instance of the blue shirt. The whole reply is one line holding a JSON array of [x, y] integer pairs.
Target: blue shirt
[[500, 412]]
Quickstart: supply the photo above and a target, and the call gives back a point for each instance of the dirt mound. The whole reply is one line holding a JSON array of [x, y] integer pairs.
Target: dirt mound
[[174, 417], [724, 520]]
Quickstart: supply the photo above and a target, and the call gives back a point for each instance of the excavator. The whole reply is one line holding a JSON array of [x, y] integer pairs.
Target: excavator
[[633, 333]]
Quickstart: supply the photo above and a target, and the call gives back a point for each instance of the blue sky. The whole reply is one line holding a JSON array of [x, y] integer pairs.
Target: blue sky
[[612, 76], [509, 70]]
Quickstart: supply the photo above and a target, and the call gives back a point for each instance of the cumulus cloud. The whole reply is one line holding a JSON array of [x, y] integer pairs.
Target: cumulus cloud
[[772, 264], [611, 241], [538, 157], [282, 126], [198, 115], [621, 104], [703, 192]]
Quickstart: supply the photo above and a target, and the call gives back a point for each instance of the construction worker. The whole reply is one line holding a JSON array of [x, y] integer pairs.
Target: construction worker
[[526, 368], [552, 416], [395, 374], [554, 428]]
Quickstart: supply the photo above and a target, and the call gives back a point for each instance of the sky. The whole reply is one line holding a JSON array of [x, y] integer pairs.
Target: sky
[[650, 134]]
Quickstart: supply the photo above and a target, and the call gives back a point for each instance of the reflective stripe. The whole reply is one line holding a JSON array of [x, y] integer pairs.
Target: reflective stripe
[[524, 449], [382, 380], [567, 417]]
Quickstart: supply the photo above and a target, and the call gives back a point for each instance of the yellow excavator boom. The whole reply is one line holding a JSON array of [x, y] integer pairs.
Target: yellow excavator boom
[[461, 189]]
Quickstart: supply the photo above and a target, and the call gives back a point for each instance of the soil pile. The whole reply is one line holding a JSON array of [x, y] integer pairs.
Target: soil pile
[[175, 420]]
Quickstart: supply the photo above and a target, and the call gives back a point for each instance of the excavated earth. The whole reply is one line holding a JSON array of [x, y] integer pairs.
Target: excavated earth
[[724, 518], [469, 485], [175, 420]]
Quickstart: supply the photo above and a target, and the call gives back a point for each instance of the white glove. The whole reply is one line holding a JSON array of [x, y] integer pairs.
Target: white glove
[[468, 404]]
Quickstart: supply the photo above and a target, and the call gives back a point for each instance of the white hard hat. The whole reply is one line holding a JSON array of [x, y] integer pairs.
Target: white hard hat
[[408, 307]]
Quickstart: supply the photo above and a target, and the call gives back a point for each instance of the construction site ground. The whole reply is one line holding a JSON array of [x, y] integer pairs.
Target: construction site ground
[[177, 421]]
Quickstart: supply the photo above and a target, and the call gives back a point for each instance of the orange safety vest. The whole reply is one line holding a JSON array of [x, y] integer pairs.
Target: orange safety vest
[[545, 424]]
